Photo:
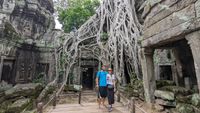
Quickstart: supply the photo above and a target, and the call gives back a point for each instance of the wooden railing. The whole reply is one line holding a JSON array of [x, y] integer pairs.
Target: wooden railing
[[131, 103]]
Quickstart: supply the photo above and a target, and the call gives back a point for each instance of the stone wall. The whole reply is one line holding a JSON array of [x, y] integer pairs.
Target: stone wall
[[168, 20], [27, 40], [171, 24], [164, 61], [30, 18]]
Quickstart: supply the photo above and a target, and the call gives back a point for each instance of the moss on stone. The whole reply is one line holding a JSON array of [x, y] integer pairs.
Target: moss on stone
[[184, 99], [177, 90], [18, 106], [10, 32], [2, 111], [69, 88], [134, 88], [5, 104], [26, 90], [185, 108], [195, 100], [162, 83]]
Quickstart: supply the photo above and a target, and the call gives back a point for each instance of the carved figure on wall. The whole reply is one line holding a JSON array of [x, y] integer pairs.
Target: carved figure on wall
[[22, 71], [29, 71]]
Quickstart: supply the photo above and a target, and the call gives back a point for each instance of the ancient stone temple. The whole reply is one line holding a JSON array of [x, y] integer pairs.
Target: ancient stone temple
[[174, 26], [152, 46], [24, 52], [84, 71]]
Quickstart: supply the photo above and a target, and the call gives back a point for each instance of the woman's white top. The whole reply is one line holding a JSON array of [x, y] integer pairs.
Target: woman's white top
[[110, 78]]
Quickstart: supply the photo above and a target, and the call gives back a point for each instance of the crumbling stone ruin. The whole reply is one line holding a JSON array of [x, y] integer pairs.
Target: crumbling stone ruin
[[152, 45], [26, 52], [172, 25]]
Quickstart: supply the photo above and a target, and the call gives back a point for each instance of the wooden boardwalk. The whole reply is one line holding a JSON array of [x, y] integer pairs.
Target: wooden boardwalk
[[86, 108], [88, 105]]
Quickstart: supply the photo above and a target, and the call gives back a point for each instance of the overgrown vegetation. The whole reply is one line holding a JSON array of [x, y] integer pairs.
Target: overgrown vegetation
[[135, 88], [40, 78], [77, 13], [104, 37]]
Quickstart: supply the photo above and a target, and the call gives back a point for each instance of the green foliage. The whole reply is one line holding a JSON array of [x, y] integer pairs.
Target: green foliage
[[70, 78], [77, 13], [162, 83], [40, 78], [177, 90], [69, 88], [135, 88], [63, 57], [61, 74], [104, 37]]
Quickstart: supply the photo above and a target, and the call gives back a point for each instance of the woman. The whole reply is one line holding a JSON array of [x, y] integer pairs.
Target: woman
[[110, 85]]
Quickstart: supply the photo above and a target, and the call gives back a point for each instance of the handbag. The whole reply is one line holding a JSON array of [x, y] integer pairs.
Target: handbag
[[110, 86]]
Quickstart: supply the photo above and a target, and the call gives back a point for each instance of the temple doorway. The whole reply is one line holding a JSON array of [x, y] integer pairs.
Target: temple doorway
[[87, 78], [7, 71]]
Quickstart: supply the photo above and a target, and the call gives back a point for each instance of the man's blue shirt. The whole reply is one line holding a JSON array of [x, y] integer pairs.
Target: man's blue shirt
[[102, 78]]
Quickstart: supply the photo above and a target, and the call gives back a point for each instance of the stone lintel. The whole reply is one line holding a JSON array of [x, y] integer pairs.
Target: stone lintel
[[173, 34], [148, 51], [193, 38]]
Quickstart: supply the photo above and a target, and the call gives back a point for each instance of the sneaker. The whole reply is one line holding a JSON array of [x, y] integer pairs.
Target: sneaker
[[109, 109]]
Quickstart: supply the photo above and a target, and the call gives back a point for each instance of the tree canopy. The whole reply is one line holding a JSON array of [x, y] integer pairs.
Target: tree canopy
[[77, 13]]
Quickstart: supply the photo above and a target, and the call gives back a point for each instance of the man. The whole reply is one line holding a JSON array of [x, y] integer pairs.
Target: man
[[101, 84]]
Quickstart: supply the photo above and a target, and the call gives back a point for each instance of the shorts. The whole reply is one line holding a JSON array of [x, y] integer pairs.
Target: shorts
[[103, 91]]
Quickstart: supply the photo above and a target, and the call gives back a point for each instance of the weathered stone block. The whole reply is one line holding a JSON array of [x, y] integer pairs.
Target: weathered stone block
[[184, 108], [162, 83], [166, 103], [164, 9], [27, 90], [195, 100], [197, 8], [5, 104], [171, 21], [176, 90], [165, 95], [172, 34], [184, 99], [4, 86], [18, 106], [31, 18]]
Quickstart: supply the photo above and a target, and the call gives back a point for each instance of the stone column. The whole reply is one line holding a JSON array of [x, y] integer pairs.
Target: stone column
[[179, 78], [174, 74], [157, 71], [148, 74], [1, 66], [194, 42]]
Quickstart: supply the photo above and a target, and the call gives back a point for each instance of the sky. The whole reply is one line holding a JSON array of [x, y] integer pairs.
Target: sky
[[58, 25]]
